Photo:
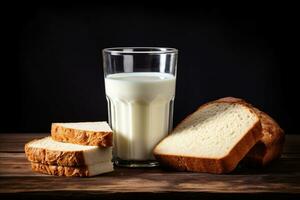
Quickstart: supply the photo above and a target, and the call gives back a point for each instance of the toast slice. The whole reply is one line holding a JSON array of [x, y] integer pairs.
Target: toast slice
[[50, 152], [84, 171], [84, 133], [213, 139], [270, 146]]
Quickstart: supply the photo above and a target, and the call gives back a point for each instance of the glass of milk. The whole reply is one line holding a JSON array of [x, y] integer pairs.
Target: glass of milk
[[140, 91]]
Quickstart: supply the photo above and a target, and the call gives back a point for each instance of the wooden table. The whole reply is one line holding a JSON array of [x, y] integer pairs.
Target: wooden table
[[280, 180]]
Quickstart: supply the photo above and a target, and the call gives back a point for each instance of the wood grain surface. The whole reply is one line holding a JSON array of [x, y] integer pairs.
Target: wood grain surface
[[279, 180]]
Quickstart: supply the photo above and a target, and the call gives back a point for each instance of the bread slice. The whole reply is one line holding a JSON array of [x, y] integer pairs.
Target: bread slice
[[270, 146], [213, 139], [50, 152], [84, 133], [90, 170]]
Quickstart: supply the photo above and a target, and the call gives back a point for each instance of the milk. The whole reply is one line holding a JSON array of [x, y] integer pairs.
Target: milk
[[141, 108]]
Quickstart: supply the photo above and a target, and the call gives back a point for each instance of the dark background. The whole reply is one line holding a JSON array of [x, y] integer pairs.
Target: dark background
[[55, 65]]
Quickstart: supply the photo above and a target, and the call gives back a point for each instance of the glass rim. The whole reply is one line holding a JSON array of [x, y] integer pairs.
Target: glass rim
[[140, 50]]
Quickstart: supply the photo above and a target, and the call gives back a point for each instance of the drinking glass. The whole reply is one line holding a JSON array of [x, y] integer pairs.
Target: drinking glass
[[140, 90]]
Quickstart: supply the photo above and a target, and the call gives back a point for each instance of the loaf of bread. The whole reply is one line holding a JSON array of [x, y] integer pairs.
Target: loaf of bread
[[213, 139], [84, 133]]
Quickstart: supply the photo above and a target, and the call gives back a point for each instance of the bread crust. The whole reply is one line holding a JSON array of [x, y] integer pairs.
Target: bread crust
[[52, 157], [60, 170], [270, 147], [261, 155], [211, 165], [91, 138]]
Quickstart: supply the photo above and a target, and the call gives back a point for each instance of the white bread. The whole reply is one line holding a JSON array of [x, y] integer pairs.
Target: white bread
[[50, 152], [213, 139], [84, 171], [84, 133], [270, 146]]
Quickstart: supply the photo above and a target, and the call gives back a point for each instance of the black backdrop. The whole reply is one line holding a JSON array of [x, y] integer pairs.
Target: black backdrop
[[227, 51]]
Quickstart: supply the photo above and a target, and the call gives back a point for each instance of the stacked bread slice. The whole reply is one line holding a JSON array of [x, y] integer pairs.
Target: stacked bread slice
[[74, 149], [218, 136]]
